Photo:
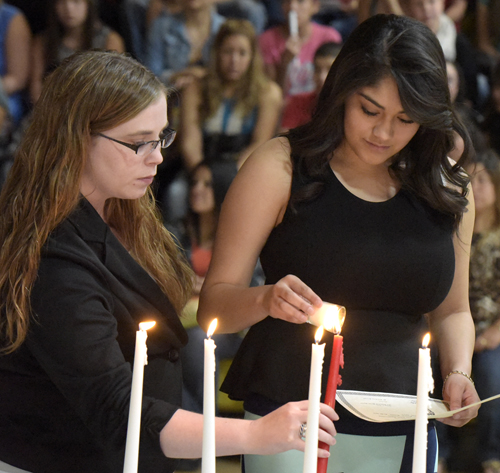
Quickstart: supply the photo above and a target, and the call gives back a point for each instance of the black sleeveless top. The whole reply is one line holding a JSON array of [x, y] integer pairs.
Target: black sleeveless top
[[388, 263]]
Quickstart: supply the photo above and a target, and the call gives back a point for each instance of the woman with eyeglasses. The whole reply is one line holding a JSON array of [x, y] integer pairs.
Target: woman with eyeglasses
[[84, 259]]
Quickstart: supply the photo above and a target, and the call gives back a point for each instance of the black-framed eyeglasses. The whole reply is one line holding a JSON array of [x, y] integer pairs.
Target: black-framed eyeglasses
[[168, 136]]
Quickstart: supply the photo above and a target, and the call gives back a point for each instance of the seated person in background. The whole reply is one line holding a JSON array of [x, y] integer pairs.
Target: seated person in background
[[178, 46], [15, 44], [468, 115], [252, 10], [340, 14], [488, 29], [207, 188], [235, 108], [491, 123], [5, 137], [456, 46], [431, 13], [456, 10], [73, 25], [299, 108], [368, 8], [288, 54], [484, 296]]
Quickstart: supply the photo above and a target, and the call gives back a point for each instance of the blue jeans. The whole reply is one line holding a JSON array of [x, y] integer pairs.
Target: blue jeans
[[192, 364], [486, 371]]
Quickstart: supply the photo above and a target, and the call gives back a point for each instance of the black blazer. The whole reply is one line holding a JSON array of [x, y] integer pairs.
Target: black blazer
[[64, 395]]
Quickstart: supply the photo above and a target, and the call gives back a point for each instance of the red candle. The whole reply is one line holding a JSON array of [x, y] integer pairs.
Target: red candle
[[334, 378]]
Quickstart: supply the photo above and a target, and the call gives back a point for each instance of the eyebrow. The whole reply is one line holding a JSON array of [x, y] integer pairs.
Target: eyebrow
[[375, 102], [146, 132]]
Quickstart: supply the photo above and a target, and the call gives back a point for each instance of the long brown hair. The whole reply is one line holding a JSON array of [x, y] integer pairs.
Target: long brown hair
[[89, 93], [251, 84]]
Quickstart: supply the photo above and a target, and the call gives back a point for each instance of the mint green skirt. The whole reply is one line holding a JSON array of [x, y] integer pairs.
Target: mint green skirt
[[351, 454]]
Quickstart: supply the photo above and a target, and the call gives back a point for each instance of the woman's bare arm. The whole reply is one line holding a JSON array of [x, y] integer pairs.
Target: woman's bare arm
[[275, 433], [254, 205], [452, 326]]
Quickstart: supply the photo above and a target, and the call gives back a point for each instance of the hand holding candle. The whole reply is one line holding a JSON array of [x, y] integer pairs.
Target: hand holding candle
[[425, 385], [208, 446], [311, 449], [134, 418], [333, 318]]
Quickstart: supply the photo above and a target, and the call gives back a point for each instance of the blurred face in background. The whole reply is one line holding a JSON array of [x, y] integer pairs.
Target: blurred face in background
[[201, 194], [483, 188], [322, 65], [426, 11], [72, 13], [235, 56]]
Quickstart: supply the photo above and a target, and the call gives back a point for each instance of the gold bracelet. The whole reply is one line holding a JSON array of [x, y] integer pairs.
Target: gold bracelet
[[463, 373]]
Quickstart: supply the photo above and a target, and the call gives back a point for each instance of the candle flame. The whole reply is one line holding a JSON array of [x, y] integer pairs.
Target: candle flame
[[319, 334], [426, 340], [211, 328], [147, 325], [334, 319]]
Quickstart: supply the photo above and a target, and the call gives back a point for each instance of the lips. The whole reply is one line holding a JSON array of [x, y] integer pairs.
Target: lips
[[147, 180], [377, 146]]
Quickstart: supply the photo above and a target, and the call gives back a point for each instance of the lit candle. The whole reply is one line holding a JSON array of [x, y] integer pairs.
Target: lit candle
[[311, 448], [336, 317], [134, 416], [208, 448], [425, 385]]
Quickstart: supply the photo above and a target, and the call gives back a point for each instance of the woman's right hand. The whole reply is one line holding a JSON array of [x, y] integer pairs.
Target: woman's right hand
[[279, 431], [291, 300]]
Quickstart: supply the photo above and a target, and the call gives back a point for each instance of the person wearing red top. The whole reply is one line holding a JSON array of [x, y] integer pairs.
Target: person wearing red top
[[298, 108]]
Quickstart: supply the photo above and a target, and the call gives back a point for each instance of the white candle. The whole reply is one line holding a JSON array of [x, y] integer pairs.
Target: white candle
[[208, 447], [424, 386], [134, 417], [293, 23], [311, 448]]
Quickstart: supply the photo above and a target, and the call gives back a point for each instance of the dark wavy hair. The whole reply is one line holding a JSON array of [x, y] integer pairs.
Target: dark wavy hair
[[406, 50]]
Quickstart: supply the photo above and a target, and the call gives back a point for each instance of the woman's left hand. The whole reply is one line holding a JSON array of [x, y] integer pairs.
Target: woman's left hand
[[459, 392]]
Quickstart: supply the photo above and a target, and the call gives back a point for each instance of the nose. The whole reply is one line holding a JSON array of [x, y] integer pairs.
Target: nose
[[156, 156], [384, 129]]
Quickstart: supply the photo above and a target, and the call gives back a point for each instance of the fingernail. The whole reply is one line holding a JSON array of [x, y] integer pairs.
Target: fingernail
[[310, 310]]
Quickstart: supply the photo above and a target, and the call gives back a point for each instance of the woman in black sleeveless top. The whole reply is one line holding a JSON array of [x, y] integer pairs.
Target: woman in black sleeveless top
[[360, 207]]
